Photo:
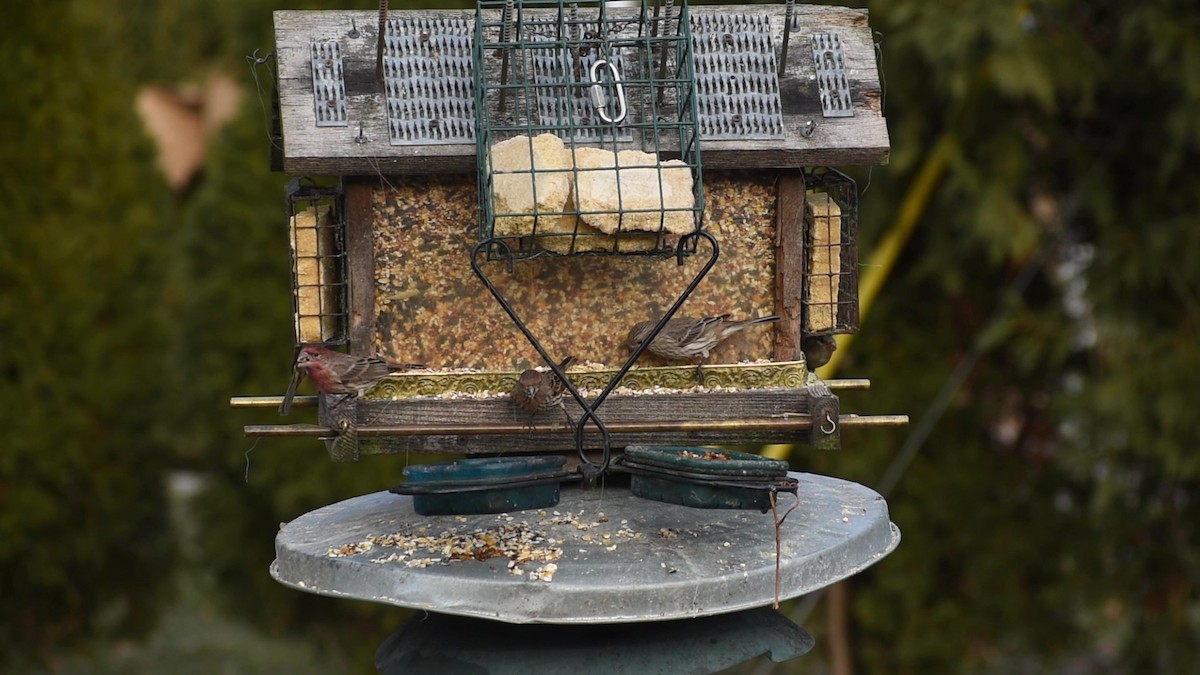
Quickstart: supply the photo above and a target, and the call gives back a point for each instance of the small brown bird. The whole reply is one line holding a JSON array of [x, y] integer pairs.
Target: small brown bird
[[818, 349], [334, 372], [685, 338], [539, 390]]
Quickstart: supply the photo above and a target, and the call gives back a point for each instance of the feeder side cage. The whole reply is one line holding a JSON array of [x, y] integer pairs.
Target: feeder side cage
[[587, 139], [830, 292], [316, 233]]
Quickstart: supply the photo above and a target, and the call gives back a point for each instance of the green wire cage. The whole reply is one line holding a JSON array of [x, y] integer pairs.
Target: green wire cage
[[317, 239], [829, 295], [586, 128]]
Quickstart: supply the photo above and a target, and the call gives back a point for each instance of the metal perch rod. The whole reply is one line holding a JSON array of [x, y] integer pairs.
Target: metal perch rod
[[796, 423], [271, 401]]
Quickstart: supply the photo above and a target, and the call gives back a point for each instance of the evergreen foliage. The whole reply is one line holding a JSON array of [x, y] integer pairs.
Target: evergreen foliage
[[1048, 521], [82, 541]]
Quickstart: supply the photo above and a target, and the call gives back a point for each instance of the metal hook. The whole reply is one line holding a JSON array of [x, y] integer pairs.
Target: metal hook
[[690, 243], [505, 249], [599, 99], [832, 424]]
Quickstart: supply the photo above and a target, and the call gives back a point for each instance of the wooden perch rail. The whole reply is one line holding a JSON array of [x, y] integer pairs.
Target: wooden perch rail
[[311, 401], [491, 424], [796, 423]]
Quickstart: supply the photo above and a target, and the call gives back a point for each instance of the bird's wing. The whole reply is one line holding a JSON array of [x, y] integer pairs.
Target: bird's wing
[[556, 383], [699, 335], [365, 369], [401, 367]]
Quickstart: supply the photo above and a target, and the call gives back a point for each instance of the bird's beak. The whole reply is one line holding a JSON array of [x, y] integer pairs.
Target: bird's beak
[[531, 391]]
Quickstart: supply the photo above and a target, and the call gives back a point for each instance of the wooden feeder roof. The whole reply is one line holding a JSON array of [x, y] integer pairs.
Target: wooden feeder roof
[[341, 126]]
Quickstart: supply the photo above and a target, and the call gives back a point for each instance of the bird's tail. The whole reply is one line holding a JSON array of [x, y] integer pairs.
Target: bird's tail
[[735, 326], [761, 319]]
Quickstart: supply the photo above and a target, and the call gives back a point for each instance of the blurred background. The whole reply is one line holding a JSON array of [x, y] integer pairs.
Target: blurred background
[[1040, 326]]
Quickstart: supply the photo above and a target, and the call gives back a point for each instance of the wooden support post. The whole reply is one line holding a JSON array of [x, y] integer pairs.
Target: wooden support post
[[789, 262], [360, 265], [825, 410], [340, 413]]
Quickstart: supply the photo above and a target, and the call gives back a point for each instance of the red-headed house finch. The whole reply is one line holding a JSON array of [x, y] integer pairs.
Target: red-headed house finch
[[334, 372], [685, 338], [539, 390], [818, 349]]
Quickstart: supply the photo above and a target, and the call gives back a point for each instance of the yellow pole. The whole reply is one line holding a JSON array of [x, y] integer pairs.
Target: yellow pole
[[883, 259]]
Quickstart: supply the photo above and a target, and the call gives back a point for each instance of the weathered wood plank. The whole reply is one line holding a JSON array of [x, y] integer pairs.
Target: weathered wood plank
[[789, 262], [363, 146], [782, 404], [487, 445], [825, 409], [360, 264]]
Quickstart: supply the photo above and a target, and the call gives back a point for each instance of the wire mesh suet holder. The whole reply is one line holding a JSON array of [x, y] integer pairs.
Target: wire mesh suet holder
[[587, 139], [829, 296], [316, 234]]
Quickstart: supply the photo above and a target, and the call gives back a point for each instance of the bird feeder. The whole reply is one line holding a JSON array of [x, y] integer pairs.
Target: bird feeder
[[516, 144], [507, 186]]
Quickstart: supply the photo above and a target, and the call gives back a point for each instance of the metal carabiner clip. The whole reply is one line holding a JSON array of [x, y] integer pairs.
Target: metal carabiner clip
[[599, 99]]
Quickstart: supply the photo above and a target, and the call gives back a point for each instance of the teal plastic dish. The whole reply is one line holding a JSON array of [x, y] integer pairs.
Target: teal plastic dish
[[483, 485], [724, 463], [699, 495], [705, 478]]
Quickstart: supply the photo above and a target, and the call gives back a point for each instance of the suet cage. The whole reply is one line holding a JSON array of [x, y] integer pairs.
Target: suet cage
[[316, 234], [586, 128], [829, 295]]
